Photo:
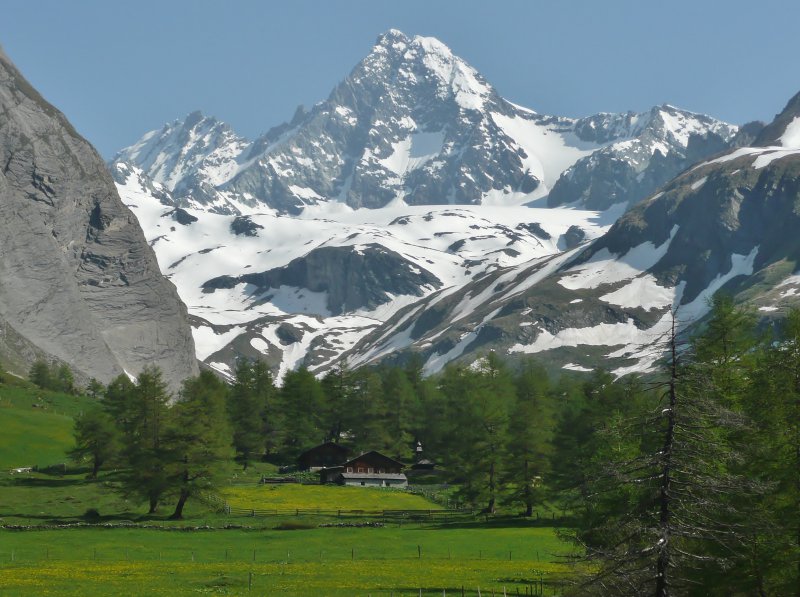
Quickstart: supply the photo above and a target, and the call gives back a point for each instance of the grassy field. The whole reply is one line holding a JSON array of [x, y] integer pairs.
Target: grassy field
[[36, 424], [236, 555], [324, 497], [326, 561]]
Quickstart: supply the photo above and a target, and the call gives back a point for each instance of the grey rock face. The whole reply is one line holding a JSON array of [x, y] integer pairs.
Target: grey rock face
[[353, 277], [773, 131], [664, 142], [77, 280]]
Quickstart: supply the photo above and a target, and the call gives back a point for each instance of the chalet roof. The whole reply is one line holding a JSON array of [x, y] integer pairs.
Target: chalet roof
[[374, 454]]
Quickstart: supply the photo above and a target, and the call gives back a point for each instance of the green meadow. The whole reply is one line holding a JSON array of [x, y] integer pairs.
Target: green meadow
[[118, 550]]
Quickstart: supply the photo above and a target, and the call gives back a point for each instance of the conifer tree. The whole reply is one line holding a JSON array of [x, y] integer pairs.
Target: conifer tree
[[660, 511], [96, 437], [300, 404], [530, 436], [146, 415], [198, 439], [480, 401], [250, 409]]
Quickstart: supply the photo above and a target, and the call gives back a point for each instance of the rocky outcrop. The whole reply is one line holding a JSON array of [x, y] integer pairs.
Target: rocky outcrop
[[78, 281], [353, 278], [665, 141]]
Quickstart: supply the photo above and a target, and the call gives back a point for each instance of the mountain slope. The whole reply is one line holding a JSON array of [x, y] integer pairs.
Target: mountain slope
[[79, 282], [725, 224], [307, 289], [666, 141]]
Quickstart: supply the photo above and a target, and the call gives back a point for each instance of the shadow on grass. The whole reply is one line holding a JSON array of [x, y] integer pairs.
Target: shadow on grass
[[500, 522]]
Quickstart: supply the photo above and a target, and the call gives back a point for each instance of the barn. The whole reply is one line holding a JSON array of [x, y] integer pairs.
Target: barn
[[371, 469]]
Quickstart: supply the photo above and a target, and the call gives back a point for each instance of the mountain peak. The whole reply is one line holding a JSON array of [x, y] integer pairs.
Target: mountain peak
[[392, 37], [776, 132]]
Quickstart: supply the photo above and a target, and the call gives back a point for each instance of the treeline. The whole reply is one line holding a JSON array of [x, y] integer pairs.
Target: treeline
[[681, 482], [689, 483], [163, 450], [57, 378], [491, 428]]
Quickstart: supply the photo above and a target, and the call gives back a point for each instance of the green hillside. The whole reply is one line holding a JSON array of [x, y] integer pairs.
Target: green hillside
[[36, 424]]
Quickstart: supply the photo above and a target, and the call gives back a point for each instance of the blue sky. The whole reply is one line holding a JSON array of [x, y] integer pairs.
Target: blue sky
[[119, 69]]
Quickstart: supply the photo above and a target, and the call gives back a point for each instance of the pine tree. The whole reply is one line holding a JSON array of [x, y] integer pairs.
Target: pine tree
[[249, 410], [146, 412], [96, 437], [530, 437], [300, 404], [198, 439]]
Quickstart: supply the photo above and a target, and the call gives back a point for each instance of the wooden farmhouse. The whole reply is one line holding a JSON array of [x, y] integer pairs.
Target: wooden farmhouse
[[324, 455], [371, 469]]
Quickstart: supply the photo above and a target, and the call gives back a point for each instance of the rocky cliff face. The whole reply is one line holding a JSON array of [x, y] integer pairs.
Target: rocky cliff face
[[664, 142], [78, 281]]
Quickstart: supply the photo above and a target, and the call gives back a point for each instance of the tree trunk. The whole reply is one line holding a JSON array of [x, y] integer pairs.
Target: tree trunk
[[178, 514], [528, 494], [153, 504], [95, 468], [665, 511], [491, 508]]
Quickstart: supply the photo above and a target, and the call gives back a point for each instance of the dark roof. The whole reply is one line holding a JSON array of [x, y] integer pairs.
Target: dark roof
[[372, 454], [325, 446]]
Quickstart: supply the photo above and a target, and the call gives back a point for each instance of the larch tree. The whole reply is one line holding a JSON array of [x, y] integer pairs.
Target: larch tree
[[147, 412], [660, 514], [530, 437], [96, 438], [250, 405], [198, 439]]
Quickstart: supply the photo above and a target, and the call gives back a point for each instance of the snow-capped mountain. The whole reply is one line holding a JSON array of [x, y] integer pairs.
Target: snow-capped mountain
[[728, 223], [664, 142], [306, 289], [272, 249], [412, 122]]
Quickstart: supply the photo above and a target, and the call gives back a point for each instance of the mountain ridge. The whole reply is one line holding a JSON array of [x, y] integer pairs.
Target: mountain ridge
[[80, 284]]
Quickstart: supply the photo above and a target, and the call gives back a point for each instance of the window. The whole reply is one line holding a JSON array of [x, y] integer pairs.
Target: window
[[349, 469], [360, 469], [369, 470], [362, 483]]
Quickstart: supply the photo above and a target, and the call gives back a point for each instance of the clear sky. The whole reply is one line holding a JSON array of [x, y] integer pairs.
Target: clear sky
[[119, 69]]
